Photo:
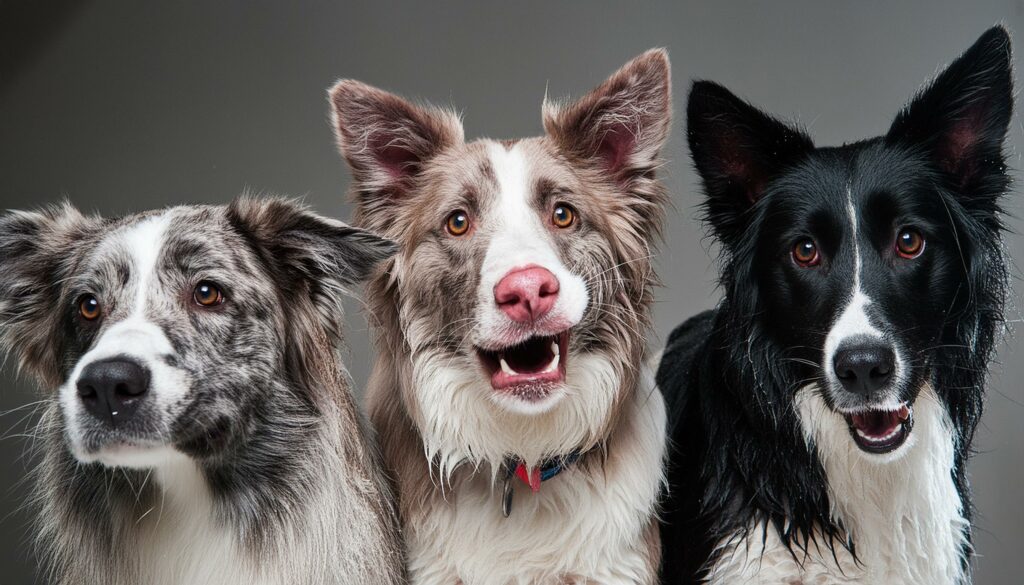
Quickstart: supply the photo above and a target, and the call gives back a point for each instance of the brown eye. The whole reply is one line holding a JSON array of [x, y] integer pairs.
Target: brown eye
[[563, 216], [89, 308], [458, 223], [909, 243], [805, 253], [208, 294]]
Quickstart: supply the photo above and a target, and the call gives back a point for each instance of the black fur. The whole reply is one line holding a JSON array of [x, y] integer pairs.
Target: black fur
[[729, 376]]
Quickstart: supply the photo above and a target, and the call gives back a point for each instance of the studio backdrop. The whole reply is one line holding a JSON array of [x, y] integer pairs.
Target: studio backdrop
[[126, 106]]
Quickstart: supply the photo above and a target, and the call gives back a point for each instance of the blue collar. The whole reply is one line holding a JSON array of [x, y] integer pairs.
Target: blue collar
[[548, 469]]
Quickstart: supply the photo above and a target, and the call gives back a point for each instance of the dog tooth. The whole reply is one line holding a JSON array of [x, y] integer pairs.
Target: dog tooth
[[505, 368], [553, 365], [872, 439], [554, 348]]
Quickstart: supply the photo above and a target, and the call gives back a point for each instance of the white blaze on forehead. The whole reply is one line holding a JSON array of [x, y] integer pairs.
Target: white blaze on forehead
[[144, 242], [519, 237], [133, 335], [514, 215], [854, 320]]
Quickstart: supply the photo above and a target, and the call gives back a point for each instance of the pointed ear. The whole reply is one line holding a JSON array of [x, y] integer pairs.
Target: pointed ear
[[961, 118], [37, 252], [386, 139], [738, 150], [623, 123]]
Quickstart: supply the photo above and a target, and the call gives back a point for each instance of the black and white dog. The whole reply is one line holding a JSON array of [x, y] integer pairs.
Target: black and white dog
[[198, 426], [822, 414]]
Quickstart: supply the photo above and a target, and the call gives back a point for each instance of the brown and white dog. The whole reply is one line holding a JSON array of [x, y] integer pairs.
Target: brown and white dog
[[525, 439]]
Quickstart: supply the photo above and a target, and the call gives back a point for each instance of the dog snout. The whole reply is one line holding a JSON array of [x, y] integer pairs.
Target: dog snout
[[865, 368], [527, 294], [112, 389]]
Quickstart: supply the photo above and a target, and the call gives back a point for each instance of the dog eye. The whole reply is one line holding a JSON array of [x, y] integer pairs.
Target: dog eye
[[563, 216], [207, 294], [805, 253], [458, 223], [89, 308], [909, 243]]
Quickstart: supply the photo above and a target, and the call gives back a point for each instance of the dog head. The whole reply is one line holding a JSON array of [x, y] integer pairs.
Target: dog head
[[872, 268], [521, 288], [162, 331]]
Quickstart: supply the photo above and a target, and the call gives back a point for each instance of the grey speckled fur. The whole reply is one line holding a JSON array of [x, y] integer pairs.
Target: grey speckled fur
[[266, 423]]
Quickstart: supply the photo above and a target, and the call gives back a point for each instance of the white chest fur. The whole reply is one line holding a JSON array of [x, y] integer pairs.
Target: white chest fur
[[582, 527], [183, 542], [904, 512]]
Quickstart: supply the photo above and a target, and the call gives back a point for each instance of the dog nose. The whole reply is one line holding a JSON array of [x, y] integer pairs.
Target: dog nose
[[864, 369], [112, 389], [527, 294]]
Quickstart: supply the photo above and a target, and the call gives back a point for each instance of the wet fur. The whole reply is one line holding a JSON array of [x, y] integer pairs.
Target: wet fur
[[765, 483]]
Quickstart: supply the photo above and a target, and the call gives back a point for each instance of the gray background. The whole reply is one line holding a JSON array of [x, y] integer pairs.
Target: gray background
[[122, 107]]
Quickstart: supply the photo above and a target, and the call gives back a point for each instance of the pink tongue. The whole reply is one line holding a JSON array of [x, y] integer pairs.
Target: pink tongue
[[879, 423]]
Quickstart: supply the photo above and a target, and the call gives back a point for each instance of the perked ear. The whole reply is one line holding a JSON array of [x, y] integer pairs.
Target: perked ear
[[961, 118], [623, 123], [37, 252], [737, 150], [386, 139]]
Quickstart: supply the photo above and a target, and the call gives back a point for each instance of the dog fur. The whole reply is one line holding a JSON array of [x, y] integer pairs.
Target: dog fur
[[771, 478], [445, 431], [246, 461]]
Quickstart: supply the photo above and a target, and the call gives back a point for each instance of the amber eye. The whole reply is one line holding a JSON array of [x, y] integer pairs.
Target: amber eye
[[805, 253], [208, 294], [909, 243], [89, 308], [563, 216], [458, 223]]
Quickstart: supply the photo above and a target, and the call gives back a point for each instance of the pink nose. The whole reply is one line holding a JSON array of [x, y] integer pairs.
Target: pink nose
[[527, 294]]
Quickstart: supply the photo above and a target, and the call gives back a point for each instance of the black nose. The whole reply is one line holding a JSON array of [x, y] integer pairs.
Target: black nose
[[864, 368], [112, 389]]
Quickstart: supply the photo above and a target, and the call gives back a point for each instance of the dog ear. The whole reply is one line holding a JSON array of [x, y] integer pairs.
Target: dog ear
[[623, 123], [961, 119], [312, 260], [37, 252], [386, 139], [737, 150], [323, 254]]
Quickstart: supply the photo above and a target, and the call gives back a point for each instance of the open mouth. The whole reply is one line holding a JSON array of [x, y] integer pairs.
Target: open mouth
[[881, 431], [529, 370]]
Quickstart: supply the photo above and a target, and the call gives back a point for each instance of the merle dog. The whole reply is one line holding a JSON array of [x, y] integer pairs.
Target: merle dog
[[198, 427]]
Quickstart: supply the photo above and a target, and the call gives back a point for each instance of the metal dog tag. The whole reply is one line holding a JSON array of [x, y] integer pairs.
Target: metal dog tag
[[506, 497]]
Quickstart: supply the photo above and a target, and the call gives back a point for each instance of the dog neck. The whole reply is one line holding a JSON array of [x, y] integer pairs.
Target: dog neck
[[608, 495], [904, 520], [904, 514], [265, 516]]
